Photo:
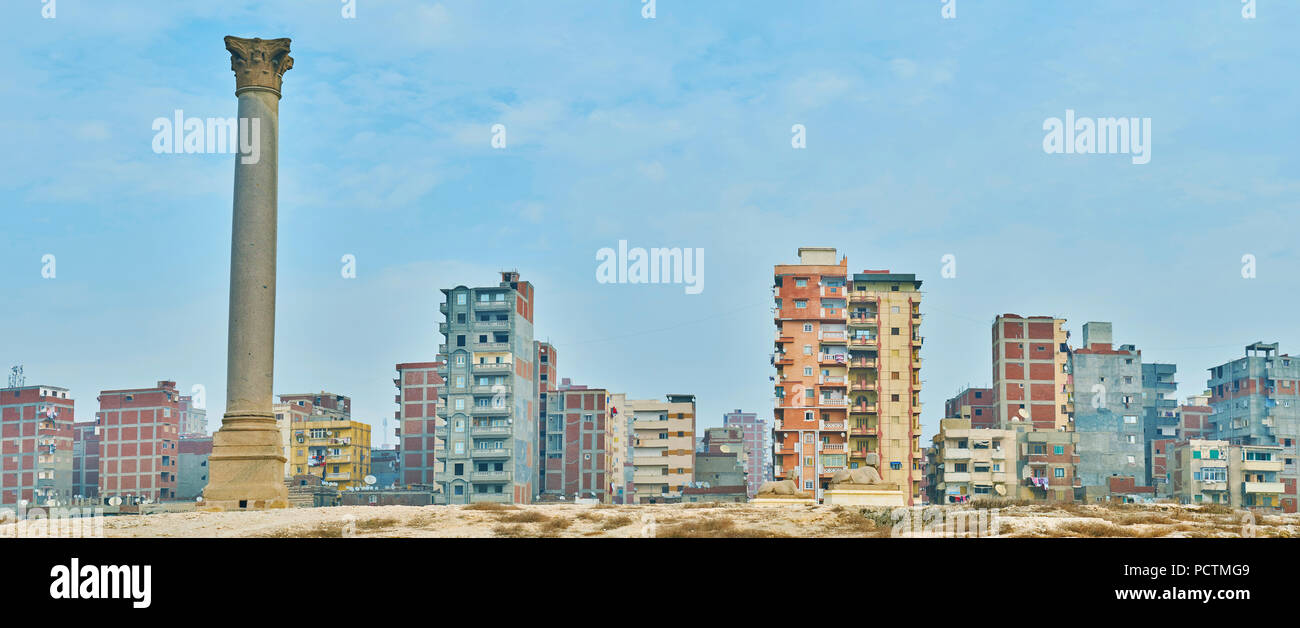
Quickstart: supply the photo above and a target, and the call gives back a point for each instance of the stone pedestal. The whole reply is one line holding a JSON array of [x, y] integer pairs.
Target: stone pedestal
[[783, 501], [871, 495], [246, 468]]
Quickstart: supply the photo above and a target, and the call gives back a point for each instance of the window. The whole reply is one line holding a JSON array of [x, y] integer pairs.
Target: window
[[799, 305], [460, 298], [807, 371], [1059, 472], [801, 283], [1130, 420], [893, 331], [807, 327], [1058, 450]]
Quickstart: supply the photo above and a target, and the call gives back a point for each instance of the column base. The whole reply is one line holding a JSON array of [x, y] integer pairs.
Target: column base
[[246, 468]]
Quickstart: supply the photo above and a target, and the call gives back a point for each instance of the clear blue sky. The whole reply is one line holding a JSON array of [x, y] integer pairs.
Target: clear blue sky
[[924, 139]]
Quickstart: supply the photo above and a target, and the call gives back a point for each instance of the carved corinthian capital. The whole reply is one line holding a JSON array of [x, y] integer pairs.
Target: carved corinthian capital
[[259, 62]]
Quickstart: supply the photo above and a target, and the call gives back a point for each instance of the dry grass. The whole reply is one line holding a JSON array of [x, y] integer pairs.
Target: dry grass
[[375, 524], [489, 506], [556, 524], [511, 531], [526, 516], [714, 528], [613, 523]]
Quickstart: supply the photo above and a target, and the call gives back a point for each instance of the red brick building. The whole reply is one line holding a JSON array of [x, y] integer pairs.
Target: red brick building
[[576, 458], [35, 445], [546, 360], [1031, 379], [975, 404], [418, 385], [139, 432]]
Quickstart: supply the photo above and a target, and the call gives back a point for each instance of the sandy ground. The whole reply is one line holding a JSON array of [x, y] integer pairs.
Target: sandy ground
[[698, 520]]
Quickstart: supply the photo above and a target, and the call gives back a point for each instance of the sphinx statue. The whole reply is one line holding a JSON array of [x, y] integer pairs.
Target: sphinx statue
[[781, 488], [864, 476]]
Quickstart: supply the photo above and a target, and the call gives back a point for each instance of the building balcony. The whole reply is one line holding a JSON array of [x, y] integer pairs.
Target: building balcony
[[490, 389], [490, 410], [832, 337], [1263, 488], [859, 454], [865, 408], [859, 341], [863, 386], [1261, 465], [491, 430], [781, 359], [832, 448], [336, 477], [491, 367], [956, 477], [831, 380], [1214, 486], [830, 359], [917, 340], [855, 297], [491, 346], [485, 306], [442, 307], [955, 453], [834, 402], [649, 478], [832, 426], [490, 476], [496, 452], [650, 461], [783, 338], [862, 363], [863, 431]]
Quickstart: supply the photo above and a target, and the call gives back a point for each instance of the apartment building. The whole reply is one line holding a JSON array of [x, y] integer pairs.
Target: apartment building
[[290, 416], [1218, 472], [1031, 372], [974, 405], [1160, 419], [1256, 401], [139, 434], [848, 372], [970, 463], [194, 417], [322, 403], [550, 429], [723, 459], [885, 378], [578, 439], [192, 468], [489, 400], [621, 437], [85, 459], [754, 433], [663, 448], [36, 446], [331, 447], [1048, 464], [1108, 409], [811, 411], [418, 392]]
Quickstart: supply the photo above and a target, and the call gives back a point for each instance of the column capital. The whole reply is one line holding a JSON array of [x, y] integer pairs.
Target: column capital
[[259, 62]]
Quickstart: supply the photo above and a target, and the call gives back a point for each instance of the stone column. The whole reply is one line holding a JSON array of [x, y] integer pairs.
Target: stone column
[[246, 468]]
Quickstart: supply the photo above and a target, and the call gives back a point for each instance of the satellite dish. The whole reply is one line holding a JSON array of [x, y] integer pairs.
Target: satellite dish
[[115, 501], [199, 499], [370, 479]]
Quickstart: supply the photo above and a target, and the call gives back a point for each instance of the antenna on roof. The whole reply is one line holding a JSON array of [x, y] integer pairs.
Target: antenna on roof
[[16, 378]]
